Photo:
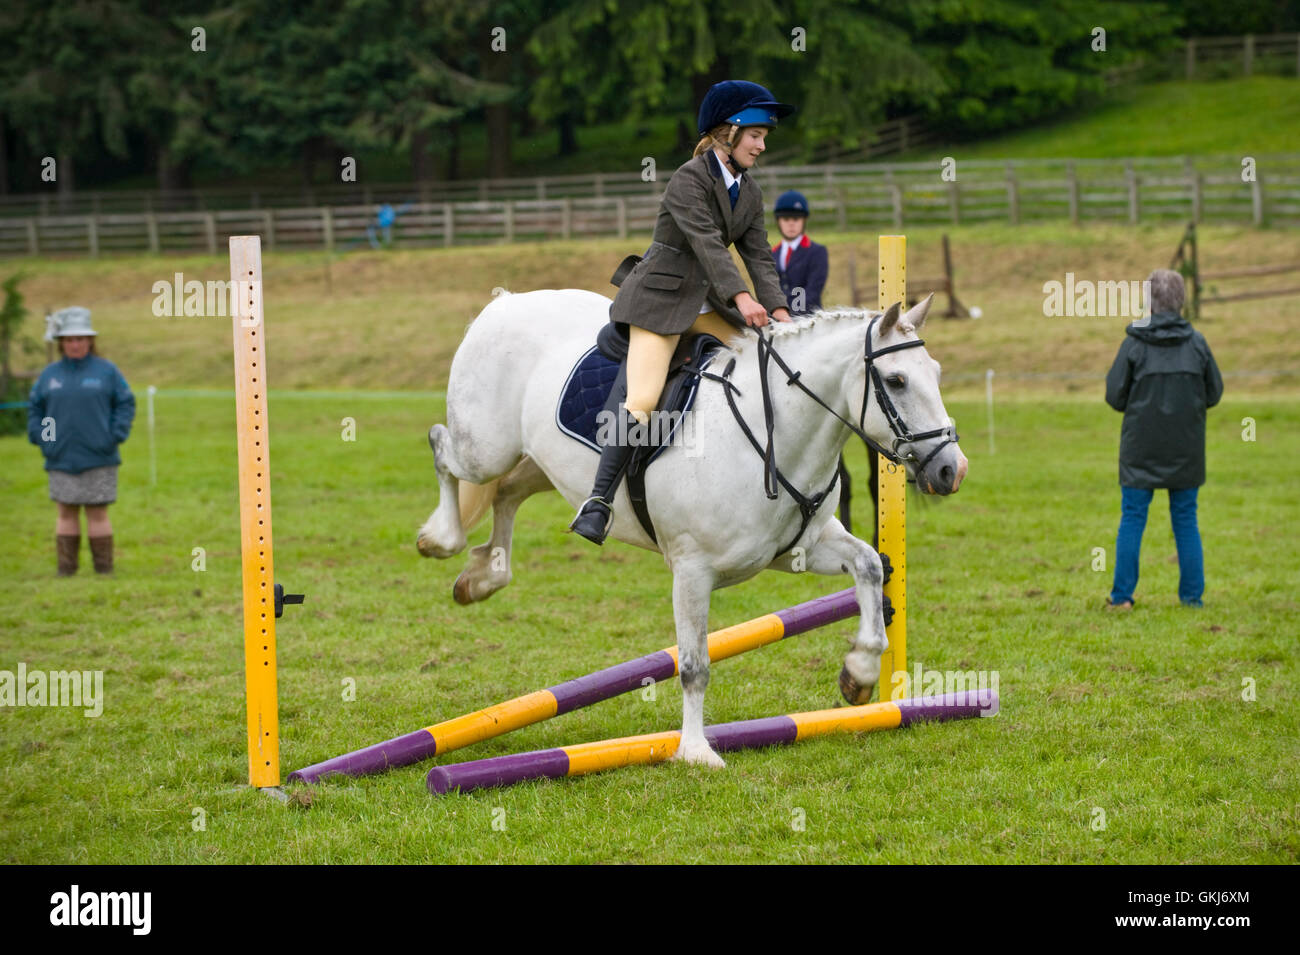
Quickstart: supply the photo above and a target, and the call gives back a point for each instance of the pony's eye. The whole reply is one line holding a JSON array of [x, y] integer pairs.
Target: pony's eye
[[895, 381]]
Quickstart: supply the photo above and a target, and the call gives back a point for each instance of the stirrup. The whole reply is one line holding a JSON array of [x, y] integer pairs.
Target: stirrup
[[582, 508]]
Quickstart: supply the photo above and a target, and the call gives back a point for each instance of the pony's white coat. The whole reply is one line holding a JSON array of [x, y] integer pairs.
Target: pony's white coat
[[714, 524]]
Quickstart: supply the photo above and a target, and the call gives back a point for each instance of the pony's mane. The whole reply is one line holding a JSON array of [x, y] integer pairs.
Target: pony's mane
[[820, 318]]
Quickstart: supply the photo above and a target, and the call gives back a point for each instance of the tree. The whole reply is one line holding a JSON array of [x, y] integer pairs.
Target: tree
[[62, 79]]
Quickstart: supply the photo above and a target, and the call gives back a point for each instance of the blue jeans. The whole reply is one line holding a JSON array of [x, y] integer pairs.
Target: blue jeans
[[1133, 521]]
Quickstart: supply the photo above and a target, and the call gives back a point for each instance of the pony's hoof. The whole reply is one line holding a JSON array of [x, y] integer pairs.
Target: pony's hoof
[[700, 754], [854, 693], [461, 590]]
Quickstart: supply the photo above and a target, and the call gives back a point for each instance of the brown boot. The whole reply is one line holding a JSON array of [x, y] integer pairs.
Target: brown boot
[[67, 546], [101, 549]]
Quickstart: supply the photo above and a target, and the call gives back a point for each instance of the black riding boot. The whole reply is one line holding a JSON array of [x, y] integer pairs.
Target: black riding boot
[[597, 511]]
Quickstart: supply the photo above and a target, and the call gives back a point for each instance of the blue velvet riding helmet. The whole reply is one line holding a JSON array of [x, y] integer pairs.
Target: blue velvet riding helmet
[[791, 203], [740, 103]]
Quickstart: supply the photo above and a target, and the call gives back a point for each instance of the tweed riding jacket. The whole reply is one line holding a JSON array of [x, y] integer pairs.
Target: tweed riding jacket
[[689, 262]]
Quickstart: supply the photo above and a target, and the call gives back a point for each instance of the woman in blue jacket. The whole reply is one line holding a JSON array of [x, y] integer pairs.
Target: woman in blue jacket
[[79, 411]]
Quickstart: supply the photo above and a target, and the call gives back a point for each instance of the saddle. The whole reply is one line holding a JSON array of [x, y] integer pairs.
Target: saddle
[[598, 384]]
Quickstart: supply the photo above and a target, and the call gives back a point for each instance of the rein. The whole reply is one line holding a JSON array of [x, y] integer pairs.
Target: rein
[[772, 476]]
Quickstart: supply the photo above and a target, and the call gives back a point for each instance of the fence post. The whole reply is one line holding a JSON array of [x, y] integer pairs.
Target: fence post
[[33, 242], [92, 234], [598, 188], [1257, 201], [1132, 192], [268, 228], [1191, 57], [621, 206], [896, 193], [541, 188], [954, 202], [448, 224], [566, 218], [1073, 183], [841, 209], [210, 230], [151, 225], [508, 214], [1013, 196], [327, 228], [1194, 184], [1248, 51]]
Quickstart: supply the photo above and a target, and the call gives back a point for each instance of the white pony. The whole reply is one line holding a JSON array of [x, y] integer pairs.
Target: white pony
[[714, 523]]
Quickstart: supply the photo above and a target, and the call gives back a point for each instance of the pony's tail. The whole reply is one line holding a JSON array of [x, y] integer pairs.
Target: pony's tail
[[475, 501]]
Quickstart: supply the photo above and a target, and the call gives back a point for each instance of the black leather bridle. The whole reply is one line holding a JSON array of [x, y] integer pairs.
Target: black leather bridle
[[903, 435]]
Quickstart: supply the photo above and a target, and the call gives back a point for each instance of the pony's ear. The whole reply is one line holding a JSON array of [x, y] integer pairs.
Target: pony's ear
[[889, 319], [916, 314]]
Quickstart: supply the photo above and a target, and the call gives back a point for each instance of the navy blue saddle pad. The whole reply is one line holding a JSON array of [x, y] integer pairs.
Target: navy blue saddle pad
[[588, 387]]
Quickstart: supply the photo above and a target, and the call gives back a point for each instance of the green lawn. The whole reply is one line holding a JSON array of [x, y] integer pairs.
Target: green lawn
[[1139, 716], [1233, 117]]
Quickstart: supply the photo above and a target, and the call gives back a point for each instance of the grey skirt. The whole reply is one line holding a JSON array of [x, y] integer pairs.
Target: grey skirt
[[95, 487]]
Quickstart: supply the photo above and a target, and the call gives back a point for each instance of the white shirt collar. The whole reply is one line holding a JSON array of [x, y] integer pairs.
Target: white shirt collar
[[791, 243], [727, 177]]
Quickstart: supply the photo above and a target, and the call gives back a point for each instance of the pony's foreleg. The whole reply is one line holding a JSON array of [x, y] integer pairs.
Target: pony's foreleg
[[836, 551], [692, 587], [488, 569], [443, 534]]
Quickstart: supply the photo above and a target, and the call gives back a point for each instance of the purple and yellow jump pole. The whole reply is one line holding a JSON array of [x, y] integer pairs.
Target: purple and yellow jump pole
[[575, 694], [746, 734]]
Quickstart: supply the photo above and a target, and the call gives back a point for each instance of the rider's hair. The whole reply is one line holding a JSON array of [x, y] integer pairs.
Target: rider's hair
[[724, 136]]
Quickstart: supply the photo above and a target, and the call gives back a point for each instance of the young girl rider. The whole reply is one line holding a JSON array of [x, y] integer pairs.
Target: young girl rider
[[687, 282]]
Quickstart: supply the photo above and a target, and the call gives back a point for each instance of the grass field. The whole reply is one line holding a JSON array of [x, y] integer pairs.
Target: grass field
[[1140, 716]]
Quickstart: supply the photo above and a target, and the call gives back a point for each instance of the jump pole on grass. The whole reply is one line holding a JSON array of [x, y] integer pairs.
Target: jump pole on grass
[[746, 734], [255, 511], [575, 694]]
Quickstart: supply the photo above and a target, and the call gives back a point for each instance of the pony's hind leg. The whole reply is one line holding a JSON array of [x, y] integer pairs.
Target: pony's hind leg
[[836, 551], [488, 569], [443, 534]]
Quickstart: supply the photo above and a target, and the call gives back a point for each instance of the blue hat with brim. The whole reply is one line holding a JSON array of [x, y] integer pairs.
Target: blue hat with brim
[[740, 103]]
